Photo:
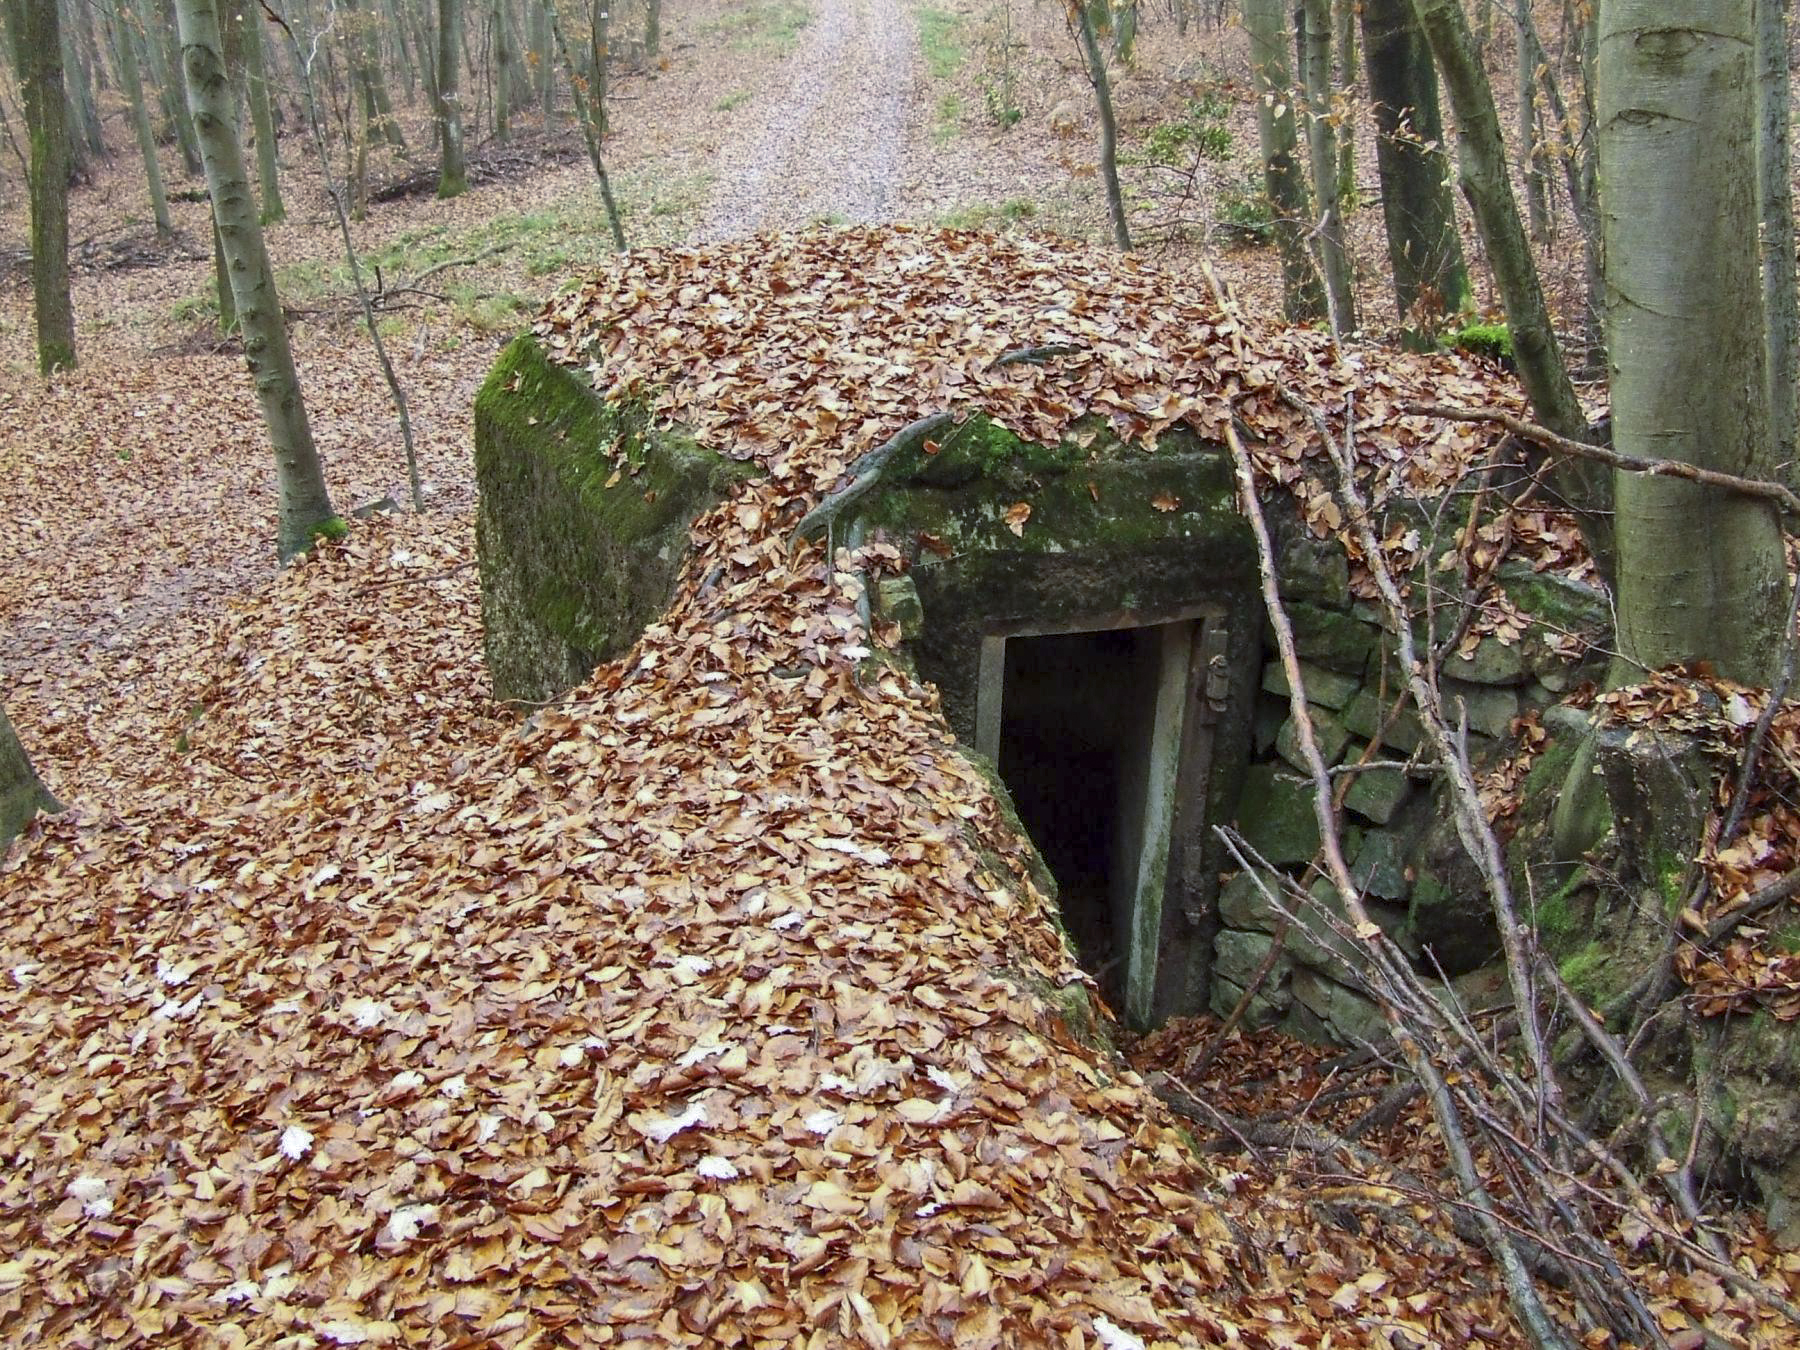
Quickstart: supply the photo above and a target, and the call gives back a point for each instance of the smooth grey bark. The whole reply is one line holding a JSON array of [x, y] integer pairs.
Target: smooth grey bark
[[1531, 164], [599, 62], [652, 30], [160, 37], [228, 320], [21, 794], [248, 15], [1482, 172], [1303, 294], [119, 22], [35, 30], [1701, 573], [1321, 141], [1083, 24], [453, 171], [504, 60], [365, 48], [590, 125], [303, 502], [1775, 215], [1424, 248]]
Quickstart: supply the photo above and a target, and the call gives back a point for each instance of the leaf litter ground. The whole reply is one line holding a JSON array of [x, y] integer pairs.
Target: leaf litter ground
[[705, 1007]]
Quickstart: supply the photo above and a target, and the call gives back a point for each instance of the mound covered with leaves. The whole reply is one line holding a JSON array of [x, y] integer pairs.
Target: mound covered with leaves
[[709, 1006]]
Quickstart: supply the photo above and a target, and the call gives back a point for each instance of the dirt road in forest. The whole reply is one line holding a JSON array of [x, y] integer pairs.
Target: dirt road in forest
[[833, 142]]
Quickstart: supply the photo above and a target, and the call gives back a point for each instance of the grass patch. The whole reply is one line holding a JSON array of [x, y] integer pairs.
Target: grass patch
[[940, 41], [737, 98], [763, 24], [987, 216]]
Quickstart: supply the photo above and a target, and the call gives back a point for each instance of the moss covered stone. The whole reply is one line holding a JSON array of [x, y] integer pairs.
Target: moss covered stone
[[583, 521]]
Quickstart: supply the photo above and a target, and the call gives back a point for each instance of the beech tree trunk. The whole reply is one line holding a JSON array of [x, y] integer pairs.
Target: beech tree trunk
[[1775, 212], [1303, 294], [125, 53], [256, 90], [21, 795], [1481, 162], [1424, 248], [1531, 165], [1109, 134], [304, 504], [590, 124], [453, 173], [1701, 572], [1321, 140], [37, 56]]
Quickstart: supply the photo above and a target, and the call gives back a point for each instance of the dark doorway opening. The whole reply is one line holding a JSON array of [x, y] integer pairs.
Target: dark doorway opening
[[1077, 736]]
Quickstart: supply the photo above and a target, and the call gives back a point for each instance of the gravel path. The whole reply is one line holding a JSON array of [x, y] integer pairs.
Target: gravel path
[[834, 145]]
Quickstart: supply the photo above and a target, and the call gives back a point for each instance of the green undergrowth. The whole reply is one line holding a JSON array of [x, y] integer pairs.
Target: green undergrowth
[[989, 215], [762, 25], [941, 41], [1492, 340], [550, 242]]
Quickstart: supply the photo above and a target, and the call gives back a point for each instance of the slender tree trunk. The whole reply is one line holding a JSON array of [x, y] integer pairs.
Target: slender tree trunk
[[504, 57], [1321, 141], [84, 117], [1109, 134], [1303, 294], [256, 95], [1775, 212], [652, 30], [544, 21], [590, 128], [1344, 21], [1424, 248], [159, 21], [37, 56], [1701, 572], [378, 105], [1531, 165], [21, 794], [304, 504], [453, 174], [599, 56], [125, 53], [1481, 159]]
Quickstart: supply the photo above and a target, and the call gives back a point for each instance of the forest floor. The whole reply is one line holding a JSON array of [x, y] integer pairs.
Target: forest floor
[[138, 582]]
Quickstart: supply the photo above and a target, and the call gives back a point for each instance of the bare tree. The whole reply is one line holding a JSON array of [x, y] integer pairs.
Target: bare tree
[[35, 29], [453, 174], [1303, 295], [304, 503]]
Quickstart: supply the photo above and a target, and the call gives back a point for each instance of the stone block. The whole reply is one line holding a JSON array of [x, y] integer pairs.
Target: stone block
[[1490, 662], [1328, 687], [1329, 734], [1332, 639], [1352, 1017], [1366, 714], [1490, 710], [1376, 794], [1238, 955], [1275, 815], [1265, 1010], [1380, 866], [1313, 570]]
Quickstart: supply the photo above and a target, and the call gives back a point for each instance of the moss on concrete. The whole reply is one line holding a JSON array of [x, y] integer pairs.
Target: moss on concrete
[[583, 521]]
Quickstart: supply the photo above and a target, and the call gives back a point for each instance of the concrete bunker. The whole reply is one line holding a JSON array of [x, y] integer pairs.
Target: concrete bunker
[[1090, 614]]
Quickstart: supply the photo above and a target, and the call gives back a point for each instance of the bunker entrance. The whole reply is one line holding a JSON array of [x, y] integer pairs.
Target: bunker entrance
[[1090, 733]]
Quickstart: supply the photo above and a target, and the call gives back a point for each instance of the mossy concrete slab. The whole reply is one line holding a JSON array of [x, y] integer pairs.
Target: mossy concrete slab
[[583, 522], [1327, 687]]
